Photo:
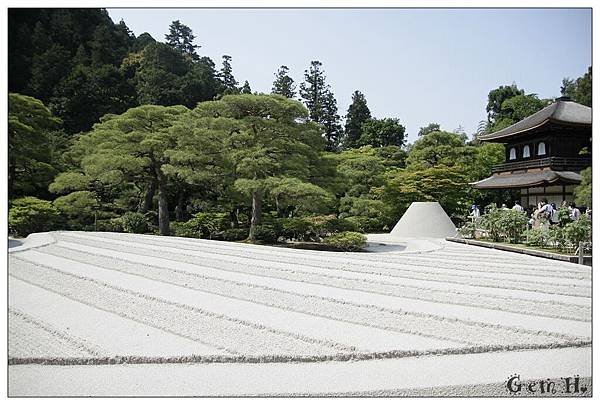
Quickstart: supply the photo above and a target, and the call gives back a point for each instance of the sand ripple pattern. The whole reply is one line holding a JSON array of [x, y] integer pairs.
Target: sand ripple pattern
[[213, 329], [88, 267], [277, 261], [547, 308], [470, 333], [29, 337]]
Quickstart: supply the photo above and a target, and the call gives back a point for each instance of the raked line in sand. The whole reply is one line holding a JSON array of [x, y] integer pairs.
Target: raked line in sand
[[90, 298]]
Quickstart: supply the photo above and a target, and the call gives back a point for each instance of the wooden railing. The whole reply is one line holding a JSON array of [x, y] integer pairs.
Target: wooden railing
[[558, 163]]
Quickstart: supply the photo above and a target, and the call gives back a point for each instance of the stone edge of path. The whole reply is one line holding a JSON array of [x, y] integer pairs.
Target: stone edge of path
[[514, 249]]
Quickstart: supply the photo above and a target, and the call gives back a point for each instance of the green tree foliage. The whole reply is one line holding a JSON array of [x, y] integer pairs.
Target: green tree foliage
[[226, 75], [358, 114], [30, 214], [446, 184], [497, 96], [313, 90], [87, 94], [162, 75], [331, 123], [268, 136], [32, 142], [347, 241], [382, 132], [246, 88], [48, 51], [132, 148], [293, 196], [583, 192], [181, 37], [432, 127], [321, 104], [362, 173], [580, 89], [515, 109], [439, 148], [283, 83], [80, 209]]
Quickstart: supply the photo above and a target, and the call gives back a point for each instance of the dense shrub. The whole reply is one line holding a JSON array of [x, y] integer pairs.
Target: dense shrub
[[265, 233], [365, 224], [469, 230], [557, 237], [491, 222], [294, 228], [202, 225], [536, 237], [501, 224], [134, 222], [181, 229], [109, 225], [234, 234], [347, 241], [579, 231], [30, 214], [512, 223], [325, 225], [79, 208]]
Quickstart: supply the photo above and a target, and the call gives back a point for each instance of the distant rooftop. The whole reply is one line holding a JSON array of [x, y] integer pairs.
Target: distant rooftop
[[563, 110]]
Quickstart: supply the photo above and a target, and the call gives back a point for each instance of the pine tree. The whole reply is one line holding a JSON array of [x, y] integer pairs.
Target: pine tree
[[180, 37], [331, 122], [227, 77], [246, 88], [313, 90], [283, 83], [358, 114], [321, 104]]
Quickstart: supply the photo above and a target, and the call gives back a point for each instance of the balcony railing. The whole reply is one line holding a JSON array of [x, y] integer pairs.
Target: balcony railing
[[555, 163]]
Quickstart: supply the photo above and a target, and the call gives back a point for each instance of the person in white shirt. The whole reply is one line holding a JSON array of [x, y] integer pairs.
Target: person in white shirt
[[475, 211], [518, 207], [575, 213]]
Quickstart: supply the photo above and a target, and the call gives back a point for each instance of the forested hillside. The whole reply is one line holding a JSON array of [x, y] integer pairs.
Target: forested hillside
[[110, 131]]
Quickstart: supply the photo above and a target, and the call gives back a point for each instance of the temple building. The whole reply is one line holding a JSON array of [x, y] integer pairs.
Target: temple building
[[545, 153]]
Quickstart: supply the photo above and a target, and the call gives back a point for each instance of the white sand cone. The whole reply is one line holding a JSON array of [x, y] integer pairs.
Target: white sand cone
[[424, 220]]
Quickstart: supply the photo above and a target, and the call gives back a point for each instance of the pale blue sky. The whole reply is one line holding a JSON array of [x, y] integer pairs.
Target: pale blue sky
[[419, 65]]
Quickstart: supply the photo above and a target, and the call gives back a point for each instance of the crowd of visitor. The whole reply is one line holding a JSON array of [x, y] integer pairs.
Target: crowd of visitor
[[544, 214]]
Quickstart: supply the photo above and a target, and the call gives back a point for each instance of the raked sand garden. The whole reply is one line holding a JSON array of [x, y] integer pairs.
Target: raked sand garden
[[122, 314]]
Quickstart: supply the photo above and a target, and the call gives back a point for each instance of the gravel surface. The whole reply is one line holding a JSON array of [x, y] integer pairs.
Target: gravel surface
[[80, 298]]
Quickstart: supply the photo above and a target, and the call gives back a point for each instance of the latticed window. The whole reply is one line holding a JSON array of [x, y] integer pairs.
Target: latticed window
[[512, 154], [526, 152]]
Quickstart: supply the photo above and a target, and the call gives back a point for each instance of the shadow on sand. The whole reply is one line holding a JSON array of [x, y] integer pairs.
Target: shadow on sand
[[378, 247], [14, 243]]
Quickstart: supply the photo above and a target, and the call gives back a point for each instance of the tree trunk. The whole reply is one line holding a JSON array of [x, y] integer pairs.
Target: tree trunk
[[180, 208], [233, 218], [147, 203], [256, 211], [163, 209]]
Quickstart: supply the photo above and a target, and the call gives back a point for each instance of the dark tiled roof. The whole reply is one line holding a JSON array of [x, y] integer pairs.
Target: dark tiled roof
[[528, 179], [561, 111]]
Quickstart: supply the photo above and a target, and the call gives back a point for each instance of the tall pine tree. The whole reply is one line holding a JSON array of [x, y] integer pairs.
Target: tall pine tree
[[227, 78], [321, 104], [283, 83], [313, 90], [358, 114], [331, 122], [180, 37]]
